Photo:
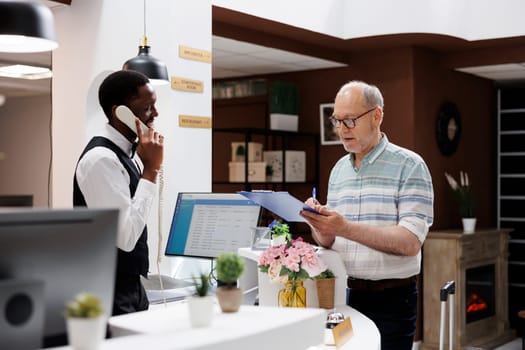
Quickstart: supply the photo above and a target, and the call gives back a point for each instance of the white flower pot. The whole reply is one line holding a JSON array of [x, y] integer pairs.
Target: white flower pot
[[469, 225], [278, 240], [200, 310], [86, 333]]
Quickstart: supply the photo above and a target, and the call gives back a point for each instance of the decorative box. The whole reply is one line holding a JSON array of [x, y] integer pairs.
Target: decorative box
[[256, 171], [255, 152], [295, 165]]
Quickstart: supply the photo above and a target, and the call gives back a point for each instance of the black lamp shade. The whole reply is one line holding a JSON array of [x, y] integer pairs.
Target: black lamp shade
[[26, 27], [148, 65]]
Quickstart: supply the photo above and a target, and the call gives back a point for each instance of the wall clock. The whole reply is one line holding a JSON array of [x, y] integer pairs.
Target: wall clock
[[448, 128]]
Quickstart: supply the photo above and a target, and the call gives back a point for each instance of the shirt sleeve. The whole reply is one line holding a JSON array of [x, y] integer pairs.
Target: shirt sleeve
[[104, 182], [416, 200]]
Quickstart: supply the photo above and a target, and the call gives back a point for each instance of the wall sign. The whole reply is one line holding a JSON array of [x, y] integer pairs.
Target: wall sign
[[184, 84], [190, 121], [194, 54]]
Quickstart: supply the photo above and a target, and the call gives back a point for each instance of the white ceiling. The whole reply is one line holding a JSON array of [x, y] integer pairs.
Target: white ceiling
[[233, 58], [498, 72]]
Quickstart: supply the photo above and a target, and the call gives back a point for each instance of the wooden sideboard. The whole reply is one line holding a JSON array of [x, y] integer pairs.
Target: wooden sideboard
[[448, 255]]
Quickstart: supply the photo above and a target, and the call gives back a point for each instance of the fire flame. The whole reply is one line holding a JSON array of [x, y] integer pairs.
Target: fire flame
[[475, 303]]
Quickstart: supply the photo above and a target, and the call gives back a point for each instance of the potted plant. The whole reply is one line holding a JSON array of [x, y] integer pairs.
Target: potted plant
[[230, 266], [325, 285], [465, 200], [240, 154], [200, 305], [85, 321], [279, 233]]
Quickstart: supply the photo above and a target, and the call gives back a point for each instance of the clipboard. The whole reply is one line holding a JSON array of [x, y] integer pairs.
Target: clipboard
[[280, 203]]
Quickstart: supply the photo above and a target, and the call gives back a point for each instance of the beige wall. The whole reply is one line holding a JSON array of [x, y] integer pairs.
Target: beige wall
[[26, 147]]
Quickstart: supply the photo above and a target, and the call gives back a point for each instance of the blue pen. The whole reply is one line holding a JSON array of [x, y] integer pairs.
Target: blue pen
[[314, 195]]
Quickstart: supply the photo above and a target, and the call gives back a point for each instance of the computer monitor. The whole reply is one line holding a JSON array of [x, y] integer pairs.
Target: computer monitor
[[207, 224], [69, 250], [18, 200]]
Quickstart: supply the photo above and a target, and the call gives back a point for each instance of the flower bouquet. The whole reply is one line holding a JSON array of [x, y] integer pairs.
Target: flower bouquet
[[290, 264]]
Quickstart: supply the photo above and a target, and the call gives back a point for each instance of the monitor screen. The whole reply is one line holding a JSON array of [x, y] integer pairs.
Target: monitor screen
[[207, 224], [70, 251]]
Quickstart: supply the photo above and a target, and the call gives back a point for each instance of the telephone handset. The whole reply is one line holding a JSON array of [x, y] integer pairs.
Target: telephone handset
[[125, 115]]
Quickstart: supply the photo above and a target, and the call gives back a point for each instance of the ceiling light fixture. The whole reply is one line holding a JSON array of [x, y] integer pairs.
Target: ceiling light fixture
[[26, 26], [22, 71], [146, 64]]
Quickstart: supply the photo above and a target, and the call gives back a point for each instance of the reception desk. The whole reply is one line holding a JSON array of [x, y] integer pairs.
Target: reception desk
[[262, 327], [167, 327], [253, 327]]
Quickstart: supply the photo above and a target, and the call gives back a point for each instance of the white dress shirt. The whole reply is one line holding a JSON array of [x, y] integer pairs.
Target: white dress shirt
[[104, 182]]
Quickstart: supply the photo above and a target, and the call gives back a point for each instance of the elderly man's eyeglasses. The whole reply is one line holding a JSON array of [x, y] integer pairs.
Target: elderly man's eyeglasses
[[348, 122]]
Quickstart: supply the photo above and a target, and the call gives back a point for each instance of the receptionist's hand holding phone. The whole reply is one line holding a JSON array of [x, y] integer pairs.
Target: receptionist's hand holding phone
[[151, 143]]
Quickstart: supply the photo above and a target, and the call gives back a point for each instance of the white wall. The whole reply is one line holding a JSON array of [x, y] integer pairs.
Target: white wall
[[97, 36], [467, 19], [25, 130]]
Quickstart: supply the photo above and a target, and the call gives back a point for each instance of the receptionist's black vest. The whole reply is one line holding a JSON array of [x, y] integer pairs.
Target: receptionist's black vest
[[128, 263]]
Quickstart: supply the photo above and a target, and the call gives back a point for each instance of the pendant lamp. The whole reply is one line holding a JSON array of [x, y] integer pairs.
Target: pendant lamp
[[26, 27], [146, 64]]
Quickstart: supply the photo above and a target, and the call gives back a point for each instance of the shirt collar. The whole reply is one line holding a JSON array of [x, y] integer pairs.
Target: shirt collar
[[375, 152], [117, 138]]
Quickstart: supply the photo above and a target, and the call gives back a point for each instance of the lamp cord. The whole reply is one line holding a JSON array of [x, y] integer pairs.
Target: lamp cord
[[159, 223], [144, 17]]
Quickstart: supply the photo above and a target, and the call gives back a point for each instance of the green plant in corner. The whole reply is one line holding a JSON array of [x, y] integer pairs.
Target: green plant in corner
[[202, 285], [84, 305], [230, 266]]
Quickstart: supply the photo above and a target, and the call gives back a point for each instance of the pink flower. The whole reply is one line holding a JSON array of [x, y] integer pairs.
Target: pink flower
[[295, 260], [274, 272]]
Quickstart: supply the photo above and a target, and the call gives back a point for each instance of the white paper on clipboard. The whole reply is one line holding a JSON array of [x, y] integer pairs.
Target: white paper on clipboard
[[280, 203]]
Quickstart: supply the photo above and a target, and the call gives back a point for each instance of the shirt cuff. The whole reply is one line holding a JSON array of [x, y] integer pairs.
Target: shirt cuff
[[415, 225]]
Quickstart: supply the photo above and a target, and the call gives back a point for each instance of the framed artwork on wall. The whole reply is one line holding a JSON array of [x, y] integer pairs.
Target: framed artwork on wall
[[328, 132]]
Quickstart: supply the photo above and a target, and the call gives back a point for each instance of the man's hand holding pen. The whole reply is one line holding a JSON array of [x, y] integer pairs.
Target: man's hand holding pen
[[312, 201], [325, 224]]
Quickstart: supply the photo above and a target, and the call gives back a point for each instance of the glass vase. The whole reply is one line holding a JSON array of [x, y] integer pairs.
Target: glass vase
[[293, 294]]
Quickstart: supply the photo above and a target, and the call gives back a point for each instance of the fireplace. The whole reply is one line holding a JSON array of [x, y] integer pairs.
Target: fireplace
[[480, 293], [478, 264]]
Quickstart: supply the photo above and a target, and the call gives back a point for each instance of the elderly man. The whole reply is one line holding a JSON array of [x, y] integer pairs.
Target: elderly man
[[378, 212]]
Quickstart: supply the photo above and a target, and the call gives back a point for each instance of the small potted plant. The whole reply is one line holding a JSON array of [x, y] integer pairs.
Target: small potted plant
[[325, 285], [230, 266], [465, 200], [239, 153], [86, 323], [200, 304], [279, 233]]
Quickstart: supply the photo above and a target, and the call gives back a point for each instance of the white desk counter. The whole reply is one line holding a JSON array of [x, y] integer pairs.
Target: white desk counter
[[253, 327]]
